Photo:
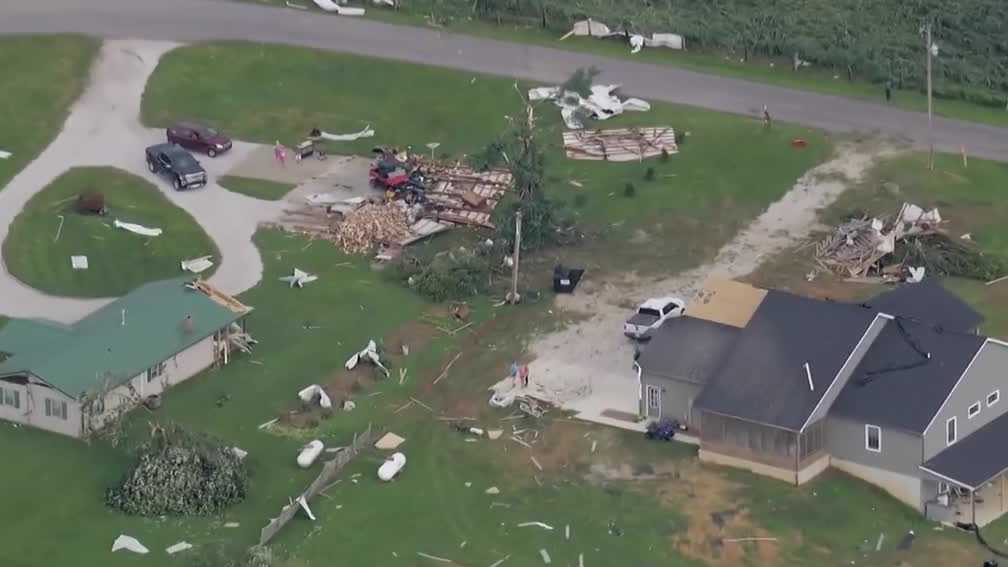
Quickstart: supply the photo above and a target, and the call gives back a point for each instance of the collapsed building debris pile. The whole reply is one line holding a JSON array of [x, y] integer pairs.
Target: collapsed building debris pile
[[370, 225], [462, 195], [601, 104], [624, 144], [180, 473], [900, 246]]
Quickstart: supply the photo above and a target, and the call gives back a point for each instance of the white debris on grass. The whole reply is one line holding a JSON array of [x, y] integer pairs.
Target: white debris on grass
[[330, 6], [180, 546], [304, 506], [309, 394], [240, 453], [5, 154], [309, 453], [392, 467], [367, 132], [545, 556], [492, 490], [129, 543], [299, 278], [79, 262], [231, 525], [370, 352], [197, 265], [601, 104], [137, 228], [537, 524]]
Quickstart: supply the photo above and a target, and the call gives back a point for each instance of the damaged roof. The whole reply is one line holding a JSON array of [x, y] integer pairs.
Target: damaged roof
[[116, 342], [897, 386], [763, 378], [929, 302], [686, 348], [726, 301]]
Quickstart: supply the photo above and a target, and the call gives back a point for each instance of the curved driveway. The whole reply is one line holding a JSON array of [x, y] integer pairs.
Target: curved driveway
[[109, 111], [194, 20]]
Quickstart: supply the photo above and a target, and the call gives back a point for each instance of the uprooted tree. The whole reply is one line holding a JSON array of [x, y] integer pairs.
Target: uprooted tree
[[521, 150], [178, 472]]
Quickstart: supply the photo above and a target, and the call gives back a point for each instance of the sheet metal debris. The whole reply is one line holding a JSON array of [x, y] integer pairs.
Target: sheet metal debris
[[5, 154], [624, 144], [299, 278], [137, 228], [330, 6], [601, 104], [180, 546], [367, 132], [197, 265], [79, 262], [369, 352], [129, 543]]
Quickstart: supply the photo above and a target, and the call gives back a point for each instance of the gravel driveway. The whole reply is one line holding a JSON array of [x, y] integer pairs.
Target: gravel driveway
[[103, 128]]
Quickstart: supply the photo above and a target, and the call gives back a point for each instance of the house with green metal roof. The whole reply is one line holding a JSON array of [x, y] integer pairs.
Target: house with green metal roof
[[72, 379]]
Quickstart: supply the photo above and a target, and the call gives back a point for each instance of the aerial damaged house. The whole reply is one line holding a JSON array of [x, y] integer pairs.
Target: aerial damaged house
[[900, 391], [71, 379]]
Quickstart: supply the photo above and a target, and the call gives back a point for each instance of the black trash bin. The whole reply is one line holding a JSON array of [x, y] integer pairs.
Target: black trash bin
[[566, 279]]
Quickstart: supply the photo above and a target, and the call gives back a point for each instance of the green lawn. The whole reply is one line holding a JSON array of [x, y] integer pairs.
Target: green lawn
[[118, 260], [758, 69], [42, 77], [730, 166], [258, 188]]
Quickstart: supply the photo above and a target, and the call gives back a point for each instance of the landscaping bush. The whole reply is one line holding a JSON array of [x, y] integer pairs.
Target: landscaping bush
[[453, 275], [629, 191], [649, 175], [180, 473]]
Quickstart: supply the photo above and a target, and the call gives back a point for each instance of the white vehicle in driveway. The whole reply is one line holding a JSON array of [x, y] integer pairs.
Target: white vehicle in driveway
[[652, 314]]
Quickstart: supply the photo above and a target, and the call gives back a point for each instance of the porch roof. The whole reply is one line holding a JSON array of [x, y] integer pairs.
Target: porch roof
[[974, 460]]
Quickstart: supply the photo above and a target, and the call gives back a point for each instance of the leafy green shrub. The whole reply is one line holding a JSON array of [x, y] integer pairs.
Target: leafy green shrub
[[453, 275], [649, 175], [629, 191]]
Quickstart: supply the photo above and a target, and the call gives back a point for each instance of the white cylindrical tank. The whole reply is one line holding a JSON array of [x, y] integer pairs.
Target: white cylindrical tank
[[309, 453], [391, 467]]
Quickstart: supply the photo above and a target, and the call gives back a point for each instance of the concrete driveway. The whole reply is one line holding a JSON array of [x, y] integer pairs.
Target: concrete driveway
[[103, 129], [197, 20]]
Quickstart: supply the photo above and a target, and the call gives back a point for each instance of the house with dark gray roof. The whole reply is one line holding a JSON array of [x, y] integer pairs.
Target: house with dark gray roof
[[900, 391], [72, 379]]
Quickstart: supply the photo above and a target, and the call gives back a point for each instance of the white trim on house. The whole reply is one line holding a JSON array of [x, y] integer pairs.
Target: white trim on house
[[850, 356], [948, 479], [867, 438], [998, 341], [970, 413], [954, 421], [996, 394], [956, 385], [657, 406]]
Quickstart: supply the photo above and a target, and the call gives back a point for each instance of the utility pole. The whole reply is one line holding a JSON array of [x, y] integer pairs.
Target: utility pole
[[932, 50], [513, 296]]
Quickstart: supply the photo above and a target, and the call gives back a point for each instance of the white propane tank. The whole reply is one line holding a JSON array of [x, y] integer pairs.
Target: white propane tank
[[309, 453], [392, 466]]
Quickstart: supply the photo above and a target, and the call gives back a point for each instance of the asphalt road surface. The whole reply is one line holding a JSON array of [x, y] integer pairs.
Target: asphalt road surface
[[194, 20]]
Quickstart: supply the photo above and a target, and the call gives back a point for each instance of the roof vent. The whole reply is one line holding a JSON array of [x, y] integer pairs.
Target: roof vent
[[188, 326], [808, 374]]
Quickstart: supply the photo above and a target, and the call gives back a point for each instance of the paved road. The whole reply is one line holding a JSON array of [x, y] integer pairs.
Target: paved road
[[192, 20]]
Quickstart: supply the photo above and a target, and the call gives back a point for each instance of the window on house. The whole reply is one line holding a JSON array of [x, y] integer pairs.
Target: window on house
[[950, 431], [156, 371], [55, 408], [973, 410], [993, 397], [873, 438], [10, 397], [653, 397]]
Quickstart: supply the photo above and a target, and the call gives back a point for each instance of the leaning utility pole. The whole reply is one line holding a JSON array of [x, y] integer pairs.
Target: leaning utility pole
[[513, 296], [932, 50]]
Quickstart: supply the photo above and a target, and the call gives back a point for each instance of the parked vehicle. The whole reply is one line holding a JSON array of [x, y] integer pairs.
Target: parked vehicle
[[177, 165], [652, 314], [198, 138]]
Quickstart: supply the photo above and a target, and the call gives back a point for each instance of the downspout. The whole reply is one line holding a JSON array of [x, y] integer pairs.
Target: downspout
[[797, 456], [640, 388]]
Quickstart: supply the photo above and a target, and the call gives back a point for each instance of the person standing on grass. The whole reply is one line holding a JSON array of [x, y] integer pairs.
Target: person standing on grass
[[888, 91], [766, 117]]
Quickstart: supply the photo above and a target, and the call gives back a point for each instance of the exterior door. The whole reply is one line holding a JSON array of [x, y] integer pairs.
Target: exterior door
[[653, 400]]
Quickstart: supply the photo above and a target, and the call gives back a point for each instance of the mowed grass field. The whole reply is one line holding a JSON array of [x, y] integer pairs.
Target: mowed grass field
[[259, 188], [41, 78], [729, 167], [37, 250], [775, 71]]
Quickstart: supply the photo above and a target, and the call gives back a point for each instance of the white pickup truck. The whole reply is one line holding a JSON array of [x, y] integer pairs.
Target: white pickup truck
[[652, 314]]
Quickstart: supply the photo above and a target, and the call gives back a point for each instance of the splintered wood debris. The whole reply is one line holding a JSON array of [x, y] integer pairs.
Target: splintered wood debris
[[624, 144], [369, 225], [462, 195]]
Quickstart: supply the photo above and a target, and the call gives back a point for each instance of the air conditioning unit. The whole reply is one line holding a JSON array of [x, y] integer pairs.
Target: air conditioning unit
[[943, 499]]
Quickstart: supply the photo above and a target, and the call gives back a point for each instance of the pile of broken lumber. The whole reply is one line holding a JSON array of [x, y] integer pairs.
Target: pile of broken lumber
[[370, 225]]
